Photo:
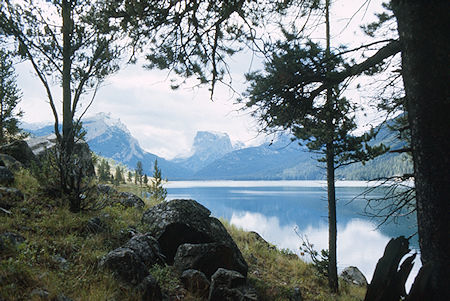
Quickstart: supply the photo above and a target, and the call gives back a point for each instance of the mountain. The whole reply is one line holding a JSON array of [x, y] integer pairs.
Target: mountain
[[282, 159], [207, 147], [110, 138], [215, 158]]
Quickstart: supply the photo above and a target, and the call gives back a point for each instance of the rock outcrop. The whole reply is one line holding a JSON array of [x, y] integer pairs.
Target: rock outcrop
[[20, 151], [10, 162], [10, 197], [40, 147], [131, 262], [353, 275], [196, 283], [6, 176], [230, 285], [181, 222], [207, 258]]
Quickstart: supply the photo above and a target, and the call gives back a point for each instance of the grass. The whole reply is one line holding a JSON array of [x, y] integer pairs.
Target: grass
[[52, 233]]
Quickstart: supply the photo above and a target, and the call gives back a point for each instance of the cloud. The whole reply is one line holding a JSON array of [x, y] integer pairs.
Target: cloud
[[358, 243]]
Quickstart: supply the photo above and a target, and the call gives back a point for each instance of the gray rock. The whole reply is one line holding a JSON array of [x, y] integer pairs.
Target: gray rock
[[146, 248], [208, 258], [149, 289], [228, 278], [126, 265], [40, 293], [353, 275], [185, 221], [42, 146], [6, 176], [195, 282], [128, 199], [11, 163], [20, 151], [228, 285], [10, 197]]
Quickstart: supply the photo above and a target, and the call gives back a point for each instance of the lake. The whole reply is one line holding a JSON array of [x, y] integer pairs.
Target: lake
[[278, 210]]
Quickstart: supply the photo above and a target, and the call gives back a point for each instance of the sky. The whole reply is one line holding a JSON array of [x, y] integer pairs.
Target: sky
[[165, 121]]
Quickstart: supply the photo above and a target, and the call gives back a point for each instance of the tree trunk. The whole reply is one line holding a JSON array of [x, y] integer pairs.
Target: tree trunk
[[332, 229], [423, 30], [66, 76]]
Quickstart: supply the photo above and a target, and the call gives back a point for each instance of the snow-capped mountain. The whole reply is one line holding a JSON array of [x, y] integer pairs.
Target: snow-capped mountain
[[207, 147], [215, 158], [110, 138]]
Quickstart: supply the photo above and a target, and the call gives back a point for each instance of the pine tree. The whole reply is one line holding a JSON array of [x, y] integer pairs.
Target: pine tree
[[130, 177], [156, 188], [118, 176], [138, 173], [9, 98], [145, 179]]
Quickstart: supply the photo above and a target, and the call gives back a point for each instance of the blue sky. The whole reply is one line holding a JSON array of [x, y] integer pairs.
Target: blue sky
[[165, 121]]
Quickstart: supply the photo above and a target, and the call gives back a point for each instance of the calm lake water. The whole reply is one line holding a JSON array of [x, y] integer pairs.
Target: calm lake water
[[279, 209]]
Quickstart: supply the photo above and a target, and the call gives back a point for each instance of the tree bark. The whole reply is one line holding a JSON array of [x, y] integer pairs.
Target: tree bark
[[67, 127], [332, 228], [332, 221], [423, 30]]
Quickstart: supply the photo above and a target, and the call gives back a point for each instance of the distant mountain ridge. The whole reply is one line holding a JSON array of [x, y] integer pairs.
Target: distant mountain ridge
[[215, 158]]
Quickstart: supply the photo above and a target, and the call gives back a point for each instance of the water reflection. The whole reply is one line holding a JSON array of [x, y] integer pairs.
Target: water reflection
[[359, 244], [275, 208]]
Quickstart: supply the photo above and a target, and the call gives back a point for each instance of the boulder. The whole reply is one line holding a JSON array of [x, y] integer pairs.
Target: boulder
[[20, 151], [146, 248], [185, 221], [11, 163], [149, 289], [126, 265], [353, 275], [6, 176], [40, 146], [207, 258], [10, 197], [195, 282], [128, 199], [229, 285]]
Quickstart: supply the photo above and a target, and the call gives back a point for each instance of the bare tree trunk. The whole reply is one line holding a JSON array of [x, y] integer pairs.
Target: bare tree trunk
[[423, 30], [66, 75], [332, 229]]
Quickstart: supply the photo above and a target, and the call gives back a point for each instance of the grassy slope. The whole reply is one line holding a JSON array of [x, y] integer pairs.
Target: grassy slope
[[51, 231]]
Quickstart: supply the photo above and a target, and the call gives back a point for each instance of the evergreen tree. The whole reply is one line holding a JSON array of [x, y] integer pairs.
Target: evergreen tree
[[104, 171], [138, 173], [145, 179], [9, 98], [156, 188], [281, 99], [130, 177], [118, 176]]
